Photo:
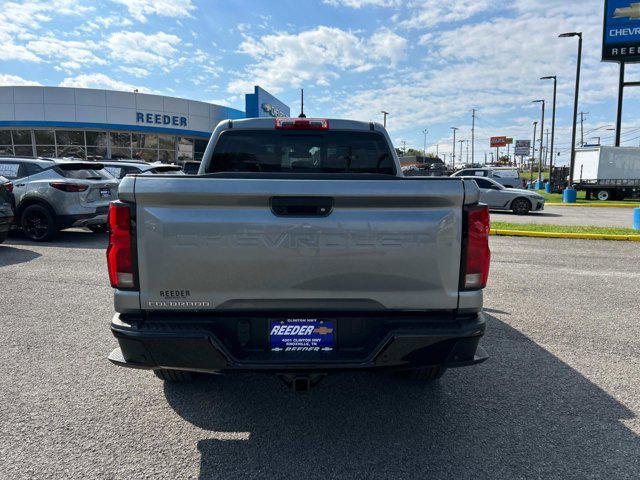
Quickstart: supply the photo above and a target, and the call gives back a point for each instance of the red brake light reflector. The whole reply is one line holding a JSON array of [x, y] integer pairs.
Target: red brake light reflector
[[283, 123], [120, 251], [477, 256], [69, 187]]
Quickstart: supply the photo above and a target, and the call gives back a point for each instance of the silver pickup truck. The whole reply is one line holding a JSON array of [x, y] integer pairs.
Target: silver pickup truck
[[299, 249]]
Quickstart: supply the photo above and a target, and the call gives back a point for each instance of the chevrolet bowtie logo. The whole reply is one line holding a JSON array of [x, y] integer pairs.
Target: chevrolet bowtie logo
[[323, 330], [632, 12]]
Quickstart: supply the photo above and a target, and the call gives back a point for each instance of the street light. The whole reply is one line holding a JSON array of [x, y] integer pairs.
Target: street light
[[453, 157], [385, 118], [571, 197], [541, 139], [553, 122], [424, 149]]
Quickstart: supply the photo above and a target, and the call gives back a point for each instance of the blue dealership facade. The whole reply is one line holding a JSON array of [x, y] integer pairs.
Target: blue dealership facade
[[98, 124]]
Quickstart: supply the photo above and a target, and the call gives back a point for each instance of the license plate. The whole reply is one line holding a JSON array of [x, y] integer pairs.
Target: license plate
[[301, 335], [105, 192]]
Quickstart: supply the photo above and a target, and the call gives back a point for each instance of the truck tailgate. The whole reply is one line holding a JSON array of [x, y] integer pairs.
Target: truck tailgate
[[207, 243]]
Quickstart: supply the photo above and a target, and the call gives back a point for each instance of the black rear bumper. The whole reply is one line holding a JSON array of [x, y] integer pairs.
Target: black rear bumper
[[239, 344]]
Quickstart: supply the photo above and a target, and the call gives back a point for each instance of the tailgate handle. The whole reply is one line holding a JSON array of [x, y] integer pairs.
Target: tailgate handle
[[301, 206]]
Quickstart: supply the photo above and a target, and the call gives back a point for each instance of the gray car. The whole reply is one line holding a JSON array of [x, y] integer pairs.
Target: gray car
[[120, 168], [53, 194], [499, 197]]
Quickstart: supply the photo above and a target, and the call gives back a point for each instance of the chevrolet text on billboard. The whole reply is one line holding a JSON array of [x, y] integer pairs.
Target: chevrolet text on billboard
[[621, 35]]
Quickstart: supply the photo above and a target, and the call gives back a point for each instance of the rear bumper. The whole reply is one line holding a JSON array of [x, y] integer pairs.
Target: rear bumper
[[185, 345], [99, 217]]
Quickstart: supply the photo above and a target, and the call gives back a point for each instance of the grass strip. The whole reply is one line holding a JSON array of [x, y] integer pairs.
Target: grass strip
[[524, 227]]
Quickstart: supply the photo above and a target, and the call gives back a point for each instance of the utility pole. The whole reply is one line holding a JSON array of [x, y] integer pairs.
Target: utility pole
[[541, 139], [384, 124], [453, 157], [582, 114], [437, 150], [404, 147], [533, 152], [460, 142], [485, 158], [473, 136], [467, 151]]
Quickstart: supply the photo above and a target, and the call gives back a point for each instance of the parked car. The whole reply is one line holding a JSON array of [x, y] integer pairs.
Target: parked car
[[190, 167], [302, 251], [120, 168], [52, 194], [7, 206], [497, 197], [507, 176]]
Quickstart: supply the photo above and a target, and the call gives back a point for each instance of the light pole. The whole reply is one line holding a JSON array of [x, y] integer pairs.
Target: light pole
[[571, 197], [424, 145], [460, 142], [533, 151], [553, 122], [541, 139], [453, 157], [384, 124]]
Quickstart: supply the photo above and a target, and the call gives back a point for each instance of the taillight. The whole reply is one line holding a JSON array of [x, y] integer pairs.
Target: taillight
[[9, 187], [302, 123], [69, 187], [476, 253], [120, 250]]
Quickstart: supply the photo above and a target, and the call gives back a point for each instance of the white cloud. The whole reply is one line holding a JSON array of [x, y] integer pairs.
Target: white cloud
[[96, 80], [139, 9], [15, 80], [364, 3], [313, 57], [135, 71], [71, 52], [428, 13], [19, 19], [386, 44], [493, 65], [141, 48]]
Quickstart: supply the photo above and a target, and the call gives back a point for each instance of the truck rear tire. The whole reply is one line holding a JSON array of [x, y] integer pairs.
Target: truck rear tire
[[424, 374], [603, 195], [173, 376]]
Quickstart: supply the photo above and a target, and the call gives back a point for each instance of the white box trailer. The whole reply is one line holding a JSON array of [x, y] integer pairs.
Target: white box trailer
[[608, 172]]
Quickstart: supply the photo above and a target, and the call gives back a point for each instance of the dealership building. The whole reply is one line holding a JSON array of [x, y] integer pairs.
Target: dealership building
[[97, 124]]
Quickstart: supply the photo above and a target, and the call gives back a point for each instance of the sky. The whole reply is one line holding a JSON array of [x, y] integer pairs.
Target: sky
[[426, 62]]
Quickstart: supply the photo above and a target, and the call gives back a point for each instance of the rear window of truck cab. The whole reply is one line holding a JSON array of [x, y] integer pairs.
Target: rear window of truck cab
[[275, 151]]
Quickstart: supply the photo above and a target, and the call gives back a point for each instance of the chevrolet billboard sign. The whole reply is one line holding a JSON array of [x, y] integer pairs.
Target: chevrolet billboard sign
[[621, 32]]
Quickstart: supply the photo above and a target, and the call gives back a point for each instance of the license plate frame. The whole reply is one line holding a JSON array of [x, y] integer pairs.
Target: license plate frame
[[294, 335]]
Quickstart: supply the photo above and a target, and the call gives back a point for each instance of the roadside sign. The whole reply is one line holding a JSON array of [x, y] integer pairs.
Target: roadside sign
[[523, 147], [497, 142], [621, 32], [509, 141]]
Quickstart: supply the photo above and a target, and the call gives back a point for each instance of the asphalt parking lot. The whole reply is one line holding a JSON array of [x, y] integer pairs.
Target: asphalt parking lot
[[589, 216], [559, 397]]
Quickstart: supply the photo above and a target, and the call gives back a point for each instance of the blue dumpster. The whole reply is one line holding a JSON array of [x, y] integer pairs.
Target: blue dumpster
[[636, 218], [547, 187]]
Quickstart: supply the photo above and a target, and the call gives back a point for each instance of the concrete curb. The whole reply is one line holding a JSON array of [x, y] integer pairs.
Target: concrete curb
[[585, 236], [612, 205]]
